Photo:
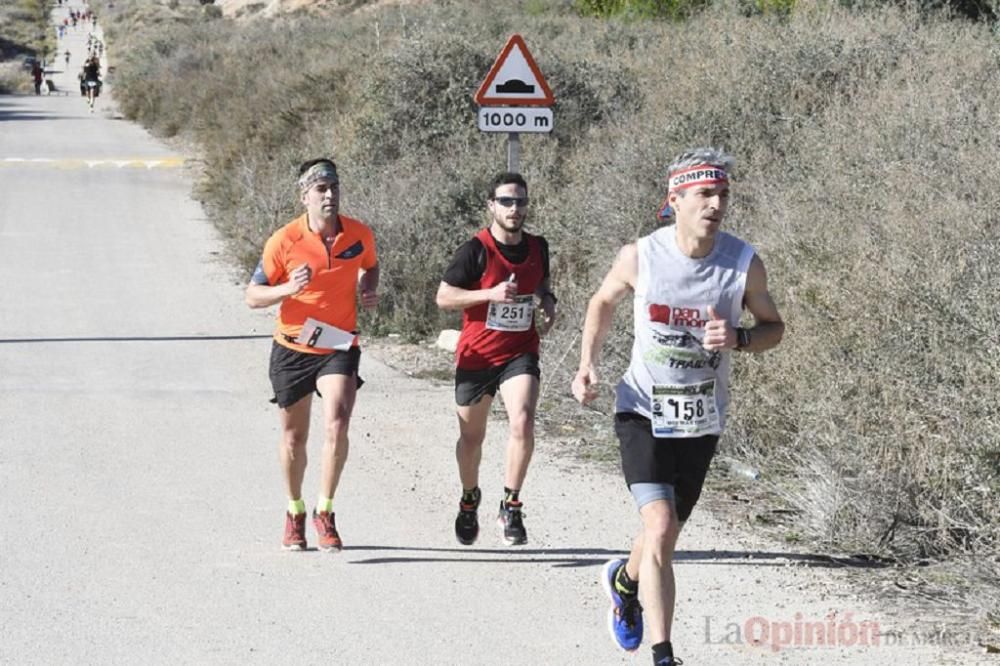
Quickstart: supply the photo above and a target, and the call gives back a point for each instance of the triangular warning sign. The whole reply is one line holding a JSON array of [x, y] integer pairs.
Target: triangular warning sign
[[515, 79]]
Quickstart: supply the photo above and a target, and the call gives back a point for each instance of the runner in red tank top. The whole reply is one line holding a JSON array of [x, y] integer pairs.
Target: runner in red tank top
[[496, 279], [492, 332]]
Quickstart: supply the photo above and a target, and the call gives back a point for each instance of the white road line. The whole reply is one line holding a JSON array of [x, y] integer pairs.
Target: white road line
[[119, 163]]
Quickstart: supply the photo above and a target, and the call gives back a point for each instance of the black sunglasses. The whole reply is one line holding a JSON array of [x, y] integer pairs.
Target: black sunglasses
[[507, 202]]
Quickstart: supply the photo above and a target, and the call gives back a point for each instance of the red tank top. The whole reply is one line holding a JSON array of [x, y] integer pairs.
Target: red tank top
[[481, 347]]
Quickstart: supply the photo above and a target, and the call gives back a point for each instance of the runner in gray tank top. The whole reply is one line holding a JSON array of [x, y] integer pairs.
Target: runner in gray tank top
[[691, 283]]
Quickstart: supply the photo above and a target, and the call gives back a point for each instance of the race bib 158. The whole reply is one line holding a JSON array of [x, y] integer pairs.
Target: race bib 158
[[684, 410]]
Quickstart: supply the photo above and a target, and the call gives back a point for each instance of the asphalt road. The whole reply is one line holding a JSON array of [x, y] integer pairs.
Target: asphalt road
[[141, 504]]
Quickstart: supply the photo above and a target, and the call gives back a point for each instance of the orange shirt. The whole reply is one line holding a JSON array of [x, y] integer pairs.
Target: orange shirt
[[331, 295]]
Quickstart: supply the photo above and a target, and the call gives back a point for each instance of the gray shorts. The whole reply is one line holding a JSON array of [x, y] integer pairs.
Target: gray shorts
[[644, 493]]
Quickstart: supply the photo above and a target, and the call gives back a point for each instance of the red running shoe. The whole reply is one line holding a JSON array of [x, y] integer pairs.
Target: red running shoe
[[295, 532], [326, 527]]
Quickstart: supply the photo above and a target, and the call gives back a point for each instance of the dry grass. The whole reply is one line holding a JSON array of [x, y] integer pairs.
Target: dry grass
[[865, 181]]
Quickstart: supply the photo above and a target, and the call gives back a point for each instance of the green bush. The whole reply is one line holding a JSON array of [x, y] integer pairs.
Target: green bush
[[640, 9]]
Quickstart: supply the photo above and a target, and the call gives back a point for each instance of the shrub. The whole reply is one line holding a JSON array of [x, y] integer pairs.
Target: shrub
[[640, 9]]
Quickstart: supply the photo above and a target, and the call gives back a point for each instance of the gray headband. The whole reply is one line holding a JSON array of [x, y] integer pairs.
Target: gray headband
[[317, 172]]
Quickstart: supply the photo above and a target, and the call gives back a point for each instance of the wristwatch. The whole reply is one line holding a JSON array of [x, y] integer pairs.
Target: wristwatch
[[742, 338]]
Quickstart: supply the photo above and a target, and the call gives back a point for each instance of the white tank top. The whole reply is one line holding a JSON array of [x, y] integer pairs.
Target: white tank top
[[672, 380]]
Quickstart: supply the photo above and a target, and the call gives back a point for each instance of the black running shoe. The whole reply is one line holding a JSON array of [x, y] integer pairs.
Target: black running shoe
[[511, 521], [467, 522]]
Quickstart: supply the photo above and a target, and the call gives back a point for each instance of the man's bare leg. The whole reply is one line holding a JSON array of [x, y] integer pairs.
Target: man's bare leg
[[657, 592], [471, 433], [469, 453], [339, 392], [292, 453], [292, 449], [520, 398]]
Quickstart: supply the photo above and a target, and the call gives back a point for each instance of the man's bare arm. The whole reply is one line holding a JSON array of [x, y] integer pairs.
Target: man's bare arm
[[450, 297], [769, 327], [619, 281], [264, 295]]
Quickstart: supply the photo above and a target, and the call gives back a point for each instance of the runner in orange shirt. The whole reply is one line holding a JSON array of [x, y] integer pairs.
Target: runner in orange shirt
[[311, 266]]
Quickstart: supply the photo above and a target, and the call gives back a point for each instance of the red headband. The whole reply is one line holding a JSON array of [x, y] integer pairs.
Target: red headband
[[702, 174]]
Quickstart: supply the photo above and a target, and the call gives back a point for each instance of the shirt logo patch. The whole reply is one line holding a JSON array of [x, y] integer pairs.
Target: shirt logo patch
[[664, 314], [352, 251]]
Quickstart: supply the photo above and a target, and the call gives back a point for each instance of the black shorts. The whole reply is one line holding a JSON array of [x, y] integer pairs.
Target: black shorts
[[294, 373], [681, 462], [472, 385]]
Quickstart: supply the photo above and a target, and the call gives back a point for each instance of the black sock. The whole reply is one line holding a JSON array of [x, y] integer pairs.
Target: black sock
[[663, 652], [510, 495], [471, 495], [624, 584]]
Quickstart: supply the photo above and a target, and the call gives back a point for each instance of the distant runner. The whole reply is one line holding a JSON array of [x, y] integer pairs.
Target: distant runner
[[311, 267], [495, 279], [36, 76], [90, 80], [690, 284]]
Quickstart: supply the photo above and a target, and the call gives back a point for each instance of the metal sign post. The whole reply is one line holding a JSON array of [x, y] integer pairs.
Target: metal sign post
[[513, 152]]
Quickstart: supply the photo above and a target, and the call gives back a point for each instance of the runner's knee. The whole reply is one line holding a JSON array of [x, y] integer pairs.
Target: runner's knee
[[294, 439], [522, 424], [661, 541], [337, 424], [472, 424], [471, 438], [659, 523]]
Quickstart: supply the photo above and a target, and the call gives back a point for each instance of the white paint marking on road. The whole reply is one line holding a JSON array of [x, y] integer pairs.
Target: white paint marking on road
[[119, 163]]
